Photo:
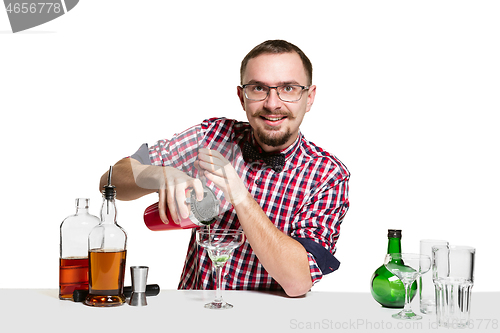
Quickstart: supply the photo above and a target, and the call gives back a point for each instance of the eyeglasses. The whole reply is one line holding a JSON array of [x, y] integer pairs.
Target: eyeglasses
[[286, 92]]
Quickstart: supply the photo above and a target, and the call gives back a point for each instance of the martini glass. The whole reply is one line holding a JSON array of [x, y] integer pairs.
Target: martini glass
[[219, 244], [407, 267]]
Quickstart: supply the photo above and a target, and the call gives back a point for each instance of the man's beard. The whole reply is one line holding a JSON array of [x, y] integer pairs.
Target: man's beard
[[271, 135], [273, 139]]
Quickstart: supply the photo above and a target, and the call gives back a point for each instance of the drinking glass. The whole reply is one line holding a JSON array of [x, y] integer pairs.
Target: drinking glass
[[453, 276], [426, 286], [407, 267], [219, 244]]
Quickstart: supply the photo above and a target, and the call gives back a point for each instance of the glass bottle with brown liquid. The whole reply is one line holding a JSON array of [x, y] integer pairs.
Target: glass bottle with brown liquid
[[74, 250], [107, 255]]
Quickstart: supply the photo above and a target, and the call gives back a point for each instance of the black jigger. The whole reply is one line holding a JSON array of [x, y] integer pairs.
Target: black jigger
[[139, 277]]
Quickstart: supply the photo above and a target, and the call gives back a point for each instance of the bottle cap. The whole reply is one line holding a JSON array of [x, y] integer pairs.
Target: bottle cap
[[394, 233], [109, 190]]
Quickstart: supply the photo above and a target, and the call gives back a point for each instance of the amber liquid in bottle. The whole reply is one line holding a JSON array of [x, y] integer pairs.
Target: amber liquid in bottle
[[107, 253], [106, 272], [73, 275], [73, 250]]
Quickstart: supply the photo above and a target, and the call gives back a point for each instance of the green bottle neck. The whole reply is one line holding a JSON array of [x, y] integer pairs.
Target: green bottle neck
[[394, 245]]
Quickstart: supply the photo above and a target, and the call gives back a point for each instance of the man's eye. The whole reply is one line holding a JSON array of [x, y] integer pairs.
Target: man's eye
[[289, 89], [258, 88]]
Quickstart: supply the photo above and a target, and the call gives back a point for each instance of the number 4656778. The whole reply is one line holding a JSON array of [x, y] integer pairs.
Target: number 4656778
[[34, 8]]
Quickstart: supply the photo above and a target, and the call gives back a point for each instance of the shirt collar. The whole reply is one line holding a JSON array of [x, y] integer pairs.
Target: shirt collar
[[292, 149]]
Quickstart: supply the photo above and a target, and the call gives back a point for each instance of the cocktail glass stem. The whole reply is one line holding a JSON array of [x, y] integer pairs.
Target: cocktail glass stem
[[407, 312], [408, 271], [218, 302], [407, 307], [218, 290]]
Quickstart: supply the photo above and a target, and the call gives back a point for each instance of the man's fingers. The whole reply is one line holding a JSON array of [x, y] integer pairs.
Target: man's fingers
[[174, 197], [198, 188], [213, 163], [180, 197], [211, 152], [172, 204], [162, 193], [212, 157]]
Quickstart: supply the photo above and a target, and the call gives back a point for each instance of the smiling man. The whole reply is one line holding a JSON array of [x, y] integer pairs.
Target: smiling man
[[268, 80], [288, 195]]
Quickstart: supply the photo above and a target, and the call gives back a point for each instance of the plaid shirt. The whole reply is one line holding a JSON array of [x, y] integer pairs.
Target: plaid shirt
[[306, 201]]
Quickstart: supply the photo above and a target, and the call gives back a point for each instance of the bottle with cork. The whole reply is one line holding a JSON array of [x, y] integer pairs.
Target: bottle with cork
[[107, 255], [386, 288]]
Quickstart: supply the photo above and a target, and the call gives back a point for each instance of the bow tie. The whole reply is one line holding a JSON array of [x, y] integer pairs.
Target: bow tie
[[274, 161]]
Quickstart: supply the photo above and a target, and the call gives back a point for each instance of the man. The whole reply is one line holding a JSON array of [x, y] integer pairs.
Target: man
[[290, 212]]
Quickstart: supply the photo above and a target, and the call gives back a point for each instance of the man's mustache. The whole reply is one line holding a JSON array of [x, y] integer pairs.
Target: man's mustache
[[264, 113]]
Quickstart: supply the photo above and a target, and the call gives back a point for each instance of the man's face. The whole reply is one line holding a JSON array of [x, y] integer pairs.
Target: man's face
[[276, 123]]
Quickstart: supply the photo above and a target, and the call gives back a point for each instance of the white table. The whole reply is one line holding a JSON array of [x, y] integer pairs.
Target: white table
[[39, 310]]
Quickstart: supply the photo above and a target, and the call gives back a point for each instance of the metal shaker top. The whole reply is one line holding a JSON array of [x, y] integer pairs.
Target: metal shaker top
[[206, 210]]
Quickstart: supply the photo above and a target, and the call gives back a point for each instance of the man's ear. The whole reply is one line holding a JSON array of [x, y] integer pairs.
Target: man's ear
[[241, 96], [311, 93]]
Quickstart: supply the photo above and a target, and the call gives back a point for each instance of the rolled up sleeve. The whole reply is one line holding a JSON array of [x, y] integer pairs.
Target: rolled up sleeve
[[317, 225]]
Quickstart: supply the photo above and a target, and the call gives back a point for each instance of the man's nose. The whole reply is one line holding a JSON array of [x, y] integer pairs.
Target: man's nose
[[273, 101]]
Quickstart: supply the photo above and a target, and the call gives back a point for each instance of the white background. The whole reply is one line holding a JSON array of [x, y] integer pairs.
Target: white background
[[407, 98]]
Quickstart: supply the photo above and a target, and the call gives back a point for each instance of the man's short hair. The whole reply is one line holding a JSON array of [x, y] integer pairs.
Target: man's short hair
[[277, 47]]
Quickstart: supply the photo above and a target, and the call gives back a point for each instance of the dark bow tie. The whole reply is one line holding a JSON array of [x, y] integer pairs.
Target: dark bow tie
[[275, 161]]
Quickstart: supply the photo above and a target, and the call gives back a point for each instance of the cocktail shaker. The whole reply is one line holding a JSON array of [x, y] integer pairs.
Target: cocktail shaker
[[201, 213]]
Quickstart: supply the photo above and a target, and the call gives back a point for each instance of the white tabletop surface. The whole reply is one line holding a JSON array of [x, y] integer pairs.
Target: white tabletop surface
[[31, 310]]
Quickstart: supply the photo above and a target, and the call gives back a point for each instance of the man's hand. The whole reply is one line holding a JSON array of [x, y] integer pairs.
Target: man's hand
[[220, 171], [134, 180], [284, 258], [172, 193]]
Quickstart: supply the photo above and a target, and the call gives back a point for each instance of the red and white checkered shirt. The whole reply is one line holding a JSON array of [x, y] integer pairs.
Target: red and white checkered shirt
[[307, 201]]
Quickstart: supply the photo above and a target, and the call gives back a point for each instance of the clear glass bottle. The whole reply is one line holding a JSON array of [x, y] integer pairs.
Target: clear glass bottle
[[74, 251], [385, 287], [107, 255]]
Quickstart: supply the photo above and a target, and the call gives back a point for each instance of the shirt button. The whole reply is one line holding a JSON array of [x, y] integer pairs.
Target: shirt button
[[227, 277], [258, 181]]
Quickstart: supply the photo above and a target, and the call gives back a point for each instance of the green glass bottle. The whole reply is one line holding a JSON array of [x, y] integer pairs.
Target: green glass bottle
[[385, 287]]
